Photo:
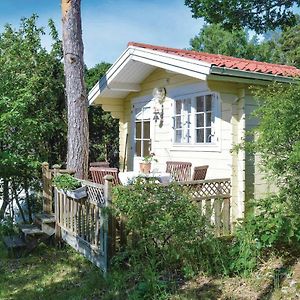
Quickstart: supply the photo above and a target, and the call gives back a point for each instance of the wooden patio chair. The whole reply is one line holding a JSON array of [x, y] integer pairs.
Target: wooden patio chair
[[179, 170], [103, 164], [98, 173], [200, 172]]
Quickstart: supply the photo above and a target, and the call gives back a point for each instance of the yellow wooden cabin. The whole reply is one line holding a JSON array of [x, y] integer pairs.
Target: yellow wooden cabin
[[188, 106]]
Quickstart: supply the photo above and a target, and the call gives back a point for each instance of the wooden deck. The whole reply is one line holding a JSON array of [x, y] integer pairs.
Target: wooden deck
[[88, 226]]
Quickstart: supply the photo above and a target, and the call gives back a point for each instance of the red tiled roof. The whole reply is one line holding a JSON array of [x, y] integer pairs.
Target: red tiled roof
[[226, 61]]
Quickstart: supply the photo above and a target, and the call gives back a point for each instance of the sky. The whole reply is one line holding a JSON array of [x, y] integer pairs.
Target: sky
[[108, 25]]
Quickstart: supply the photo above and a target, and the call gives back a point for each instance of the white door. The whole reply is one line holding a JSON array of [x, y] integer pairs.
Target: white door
[[141, 132]]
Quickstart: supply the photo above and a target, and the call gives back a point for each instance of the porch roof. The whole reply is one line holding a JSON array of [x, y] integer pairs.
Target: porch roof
[[139, 60]]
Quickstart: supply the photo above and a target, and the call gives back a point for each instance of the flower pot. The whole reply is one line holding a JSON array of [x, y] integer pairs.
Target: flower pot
[[78, 193], [145, 167]]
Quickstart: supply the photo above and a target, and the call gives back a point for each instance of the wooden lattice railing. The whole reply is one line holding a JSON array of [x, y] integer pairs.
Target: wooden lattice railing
[[82, 218], [213, 197], [84, 224]]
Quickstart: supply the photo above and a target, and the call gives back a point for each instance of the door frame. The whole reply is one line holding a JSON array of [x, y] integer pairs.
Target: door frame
[[140, 102]]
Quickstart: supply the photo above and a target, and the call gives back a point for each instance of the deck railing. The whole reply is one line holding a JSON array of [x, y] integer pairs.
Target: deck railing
[[213, 197], [85, 224], [88, 227]]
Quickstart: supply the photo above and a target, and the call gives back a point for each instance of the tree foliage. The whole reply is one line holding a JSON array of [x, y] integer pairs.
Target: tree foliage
[[290, 46], [259, 15], [281, 47], [31, 89], [215, 39], [32, 105], [103, 129], [278, 132]]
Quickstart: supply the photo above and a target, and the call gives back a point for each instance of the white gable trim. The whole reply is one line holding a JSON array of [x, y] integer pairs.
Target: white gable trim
[[170, 62]]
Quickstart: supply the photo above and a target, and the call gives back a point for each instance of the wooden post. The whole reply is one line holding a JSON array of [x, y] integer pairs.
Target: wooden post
[[109, 250], [57, 210], [218, 209], [47, 189], [226, 216]]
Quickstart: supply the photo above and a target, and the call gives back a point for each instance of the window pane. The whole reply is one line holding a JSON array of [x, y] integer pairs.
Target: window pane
[[138, 130], [146, 148], [208, 135], [138, 151], [208, 119], [208, 102], [200, 104], [200, 120], [178, 122], [187, 105], [178, 136], [200, 135], [178, 107], [146, 113], [146, 130]]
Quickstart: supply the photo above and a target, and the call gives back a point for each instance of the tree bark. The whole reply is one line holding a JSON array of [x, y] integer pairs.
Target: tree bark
[[15, 194], [78, 135], [5, 188], [28, 200]]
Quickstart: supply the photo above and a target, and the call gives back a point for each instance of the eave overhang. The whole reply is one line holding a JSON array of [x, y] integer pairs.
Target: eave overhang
[[135, 64]]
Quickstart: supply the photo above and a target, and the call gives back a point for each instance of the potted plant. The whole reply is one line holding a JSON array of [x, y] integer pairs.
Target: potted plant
[[71, 186], [145, 164]]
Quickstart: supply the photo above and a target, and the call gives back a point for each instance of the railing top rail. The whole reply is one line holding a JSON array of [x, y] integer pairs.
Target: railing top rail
[[190, 182], [204, 181], [93, 184]]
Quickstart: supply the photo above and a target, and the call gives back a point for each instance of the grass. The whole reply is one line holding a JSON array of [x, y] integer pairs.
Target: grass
[[49, 273]]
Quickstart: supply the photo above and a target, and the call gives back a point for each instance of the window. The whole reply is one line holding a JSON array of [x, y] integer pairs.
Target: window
[[142, 132], [194, 120]]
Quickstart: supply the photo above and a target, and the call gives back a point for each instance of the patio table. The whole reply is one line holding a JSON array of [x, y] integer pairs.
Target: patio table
[[128, 177]]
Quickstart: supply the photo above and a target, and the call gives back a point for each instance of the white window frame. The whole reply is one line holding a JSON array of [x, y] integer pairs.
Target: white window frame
[[215, 145], [139, 102]]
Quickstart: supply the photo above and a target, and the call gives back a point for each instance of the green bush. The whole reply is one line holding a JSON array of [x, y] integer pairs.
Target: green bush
[[273, 226], [171, 240], [7, 227], [66, 182]]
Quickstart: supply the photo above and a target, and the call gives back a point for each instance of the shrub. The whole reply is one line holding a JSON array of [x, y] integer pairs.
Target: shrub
[[173, 241], [274, 225], [66, 182]]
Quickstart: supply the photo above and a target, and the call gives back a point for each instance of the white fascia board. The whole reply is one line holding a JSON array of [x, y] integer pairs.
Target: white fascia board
[[93, 93], [103, 82], [182, 65]]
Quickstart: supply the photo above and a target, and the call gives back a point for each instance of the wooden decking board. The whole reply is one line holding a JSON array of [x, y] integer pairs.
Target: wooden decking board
[[30, 230], [46, 218]]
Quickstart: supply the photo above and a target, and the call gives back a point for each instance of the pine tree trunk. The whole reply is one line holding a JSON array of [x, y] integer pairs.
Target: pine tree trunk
[[78, 135]]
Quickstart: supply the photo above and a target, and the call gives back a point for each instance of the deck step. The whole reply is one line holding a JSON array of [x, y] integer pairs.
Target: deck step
[[43, 218], [48, 229], [30, 230], [14, 242]]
